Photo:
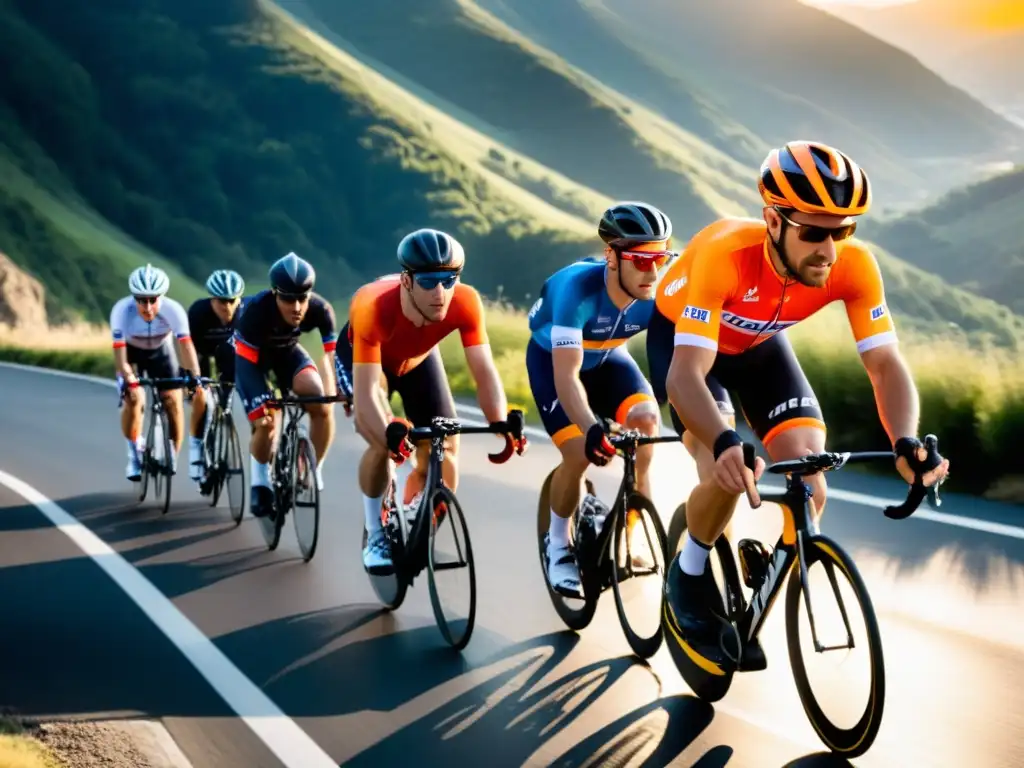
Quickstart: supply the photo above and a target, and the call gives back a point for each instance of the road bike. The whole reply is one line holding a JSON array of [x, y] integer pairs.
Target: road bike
[[414, 543], [293, 476], [604, 546], [222, 452], [801, 543], [156, 455]]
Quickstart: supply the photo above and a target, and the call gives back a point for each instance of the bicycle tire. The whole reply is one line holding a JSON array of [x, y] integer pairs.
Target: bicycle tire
[[574, 619], [213, 452], [304, 452], [706, 685], [857, 740], [391, 588], [442, 494], [233, 467], [146, 459], [644, 647], [165, 469]]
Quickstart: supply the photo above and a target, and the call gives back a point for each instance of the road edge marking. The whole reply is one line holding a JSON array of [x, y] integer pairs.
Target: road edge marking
[[279, 733]]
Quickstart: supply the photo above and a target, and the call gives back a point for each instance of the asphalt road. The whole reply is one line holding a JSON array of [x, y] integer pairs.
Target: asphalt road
[[370, 687]]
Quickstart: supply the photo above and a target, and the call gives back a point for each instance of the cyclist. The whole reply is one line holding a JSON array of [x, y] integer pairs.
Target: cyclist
[[142, 325], [395, 324], [716, 327], [212, 322], [266, 340], [578, 364]]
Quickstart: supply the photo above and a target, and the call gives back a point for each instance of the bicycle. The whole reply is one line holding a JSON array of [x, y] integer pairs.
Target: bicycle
[[599, 546], [413, 545], [157, 464], [292, 471], [801, 541], [222, 452]]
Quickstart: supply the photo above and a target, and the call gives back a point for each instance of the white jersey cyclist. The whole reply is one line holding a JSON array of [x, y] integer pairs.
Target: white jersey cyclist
[[130, 328]]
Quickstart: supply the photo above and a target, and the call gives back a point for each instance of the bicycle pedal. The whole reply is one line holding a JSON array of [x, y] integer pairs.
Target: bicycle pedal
[[753, 659], [753, 562]]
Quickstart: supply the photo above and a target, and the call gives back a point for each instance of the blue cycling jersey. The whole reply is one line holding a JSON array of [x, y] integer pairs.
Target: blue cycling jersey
[[575, 310]]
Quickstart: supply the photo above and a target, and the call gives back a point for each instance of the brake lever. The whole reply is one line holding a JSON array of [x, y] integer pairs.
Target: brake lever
[[917, 490]]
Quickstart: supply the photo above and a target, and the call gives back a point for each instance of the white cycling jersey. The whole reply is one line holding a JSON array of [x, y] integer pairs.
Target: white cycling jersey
[[128, 327]]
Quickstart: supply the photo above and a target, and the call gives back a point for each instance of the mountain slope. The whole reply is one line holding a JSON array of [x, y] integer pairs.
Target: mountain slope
[[787, 70], [971, 238]]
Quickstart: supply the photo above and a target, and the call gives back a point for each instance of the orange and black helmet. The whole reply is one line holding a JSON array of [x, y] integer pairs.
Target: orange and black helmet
[[812, 177]]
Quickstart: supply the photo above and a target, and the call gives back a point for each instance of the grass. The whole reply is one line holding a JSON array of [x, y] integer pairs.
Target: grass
[[18, 750]]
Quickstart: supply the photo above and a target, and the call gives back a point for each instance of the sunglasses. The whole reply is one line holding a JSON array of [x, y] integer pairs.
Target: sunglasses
[[646, 261], [428, 281], [292, 298], [146, 300], [811, 233]]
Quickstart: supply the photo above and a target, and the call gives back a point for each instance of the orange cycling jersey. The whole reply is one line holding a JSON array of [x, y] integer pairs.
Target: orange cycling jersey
[[380, 333], [724, 294]]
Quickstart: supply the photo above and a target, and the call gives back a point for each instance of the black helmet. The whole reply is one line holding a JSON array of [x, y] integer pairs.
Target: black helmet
[[429, 250], [292, 275], [628, 223]]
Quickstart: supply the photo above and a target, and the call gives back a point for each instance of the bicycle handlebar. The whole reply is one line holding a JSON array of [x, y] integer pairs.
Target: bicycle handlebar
[[179, 380], [281, 402], [831, 460], [512, 430]]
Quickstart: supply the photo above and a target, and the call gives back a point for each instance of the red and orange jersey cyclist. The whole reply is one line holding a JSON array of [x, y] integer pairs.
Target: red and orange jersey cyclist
[[718, 324], [390, 345]]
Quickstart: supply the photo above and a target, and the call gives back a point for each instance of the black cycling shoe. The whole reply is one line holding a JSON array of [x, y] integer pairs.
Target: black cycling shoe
[[695, 610], [261, 501]]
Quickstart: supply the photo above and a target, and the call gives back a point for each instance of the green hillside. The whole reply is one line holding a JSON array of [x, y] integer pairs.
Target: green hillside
[[970, 238]]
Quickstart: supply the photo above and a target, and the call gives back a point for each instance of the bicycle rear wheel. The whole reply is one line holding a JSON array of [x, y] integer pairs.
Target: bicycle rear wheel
[[305, 497], [146, 459], [164, 475], [450, 552], [856, 740], [638, 555], [232, 468]]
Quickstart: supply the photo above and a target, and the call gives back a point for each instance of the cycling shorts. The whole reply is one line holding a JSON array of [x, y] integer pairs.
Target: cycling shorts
[[159, 363], [613, 387], [224, 355], [424, 389], [251, 378], [773, 391]]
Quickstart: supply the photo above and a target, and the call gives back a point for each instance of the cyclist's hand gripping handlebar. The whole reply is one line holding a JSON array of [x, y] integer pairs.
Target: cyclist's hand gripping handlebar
[[918, 490], [515, 441]]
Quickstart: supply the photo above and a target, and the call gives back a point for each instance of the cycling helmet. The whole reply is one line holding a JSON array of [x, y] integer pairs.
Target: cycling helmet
[[148, 281], [292, 275], [811, 177], [430, 250], [225, 284], [629, 223]]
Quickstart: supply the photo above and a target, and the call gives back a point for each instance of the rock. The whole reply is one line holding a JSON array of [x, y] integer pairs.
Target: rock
[[22, 298]]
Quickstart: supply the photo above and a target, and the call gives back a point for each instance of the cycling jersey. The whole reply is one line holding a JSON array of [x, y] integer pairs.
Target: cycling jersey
[[209, 334], [379, 332], [261, 330], [724, 293], [130, 329], [575, 310]]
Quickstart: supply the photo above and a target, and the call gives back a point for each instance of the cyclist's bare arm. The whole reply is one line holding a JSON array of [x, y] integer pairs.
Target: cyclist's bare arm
[[371, 419], [189, 356], [327, 374], [490, 392], [689, 394], [895, 392], [567, 362], [121, 364]]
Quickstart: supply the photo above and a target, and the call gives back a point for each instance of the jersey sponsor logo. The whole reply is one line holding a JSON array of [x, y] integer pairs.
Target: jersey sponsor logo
[[792, 404], [535, 308], [751, 295], [877, 313], [631, 328], [606, 329], [118, 335], [697, 313], [675, 286], [602, 319], [565, 343], [754, 327]]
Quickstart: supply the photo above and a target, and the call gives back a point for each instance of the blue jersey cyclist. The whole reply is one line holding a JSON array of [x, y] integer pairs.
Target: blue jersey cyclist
[[578, 364], [266, 340]]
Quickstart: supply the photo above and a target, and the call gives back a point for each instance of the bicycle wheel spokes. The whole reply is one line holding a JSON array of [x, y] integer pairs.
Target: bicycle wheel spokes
[[305, 498], [638, 573], [452, 571], [232, 468], [836, 646], [390, 585]]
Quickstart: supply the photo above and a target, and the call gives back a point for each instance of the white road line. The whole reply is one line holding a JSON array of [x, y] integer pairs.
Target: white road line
[[852, 497], [282, 735]]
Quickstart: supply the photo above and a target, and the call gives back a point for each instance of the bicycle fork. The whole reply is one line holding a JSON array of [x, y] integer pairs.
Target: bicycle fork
[[805, 588]]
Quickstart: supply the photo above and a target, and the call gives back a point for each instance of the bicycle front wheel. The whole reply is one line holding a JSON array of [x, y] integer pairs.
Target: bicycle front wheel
[[638, 573], [305, 498], [858, 737], [231, 467], [213, 458], [164, 463], [452, 573]]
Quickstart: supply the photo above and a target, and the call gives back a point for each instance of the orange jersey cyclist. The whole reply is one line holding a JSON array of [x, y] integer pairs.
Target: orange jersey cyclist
[[390, 345], [266, 341], [716, 327], [578, 365]]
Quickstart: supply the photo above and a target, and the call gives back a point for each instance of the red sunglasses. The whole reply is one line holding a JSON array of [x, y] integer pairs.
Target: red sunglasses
[[646, 261]]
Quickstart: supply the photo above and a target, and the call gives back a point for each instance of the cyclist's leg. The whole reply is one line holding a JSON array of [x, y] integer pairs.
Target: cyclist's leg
[[425, 395], [304, 380], [783, 411], [253, 390], [132, 416], [163, 364]]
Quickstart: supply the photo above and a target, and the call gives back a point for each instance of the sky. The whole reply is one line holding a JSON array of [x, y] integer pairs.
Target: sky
[[980, 15]]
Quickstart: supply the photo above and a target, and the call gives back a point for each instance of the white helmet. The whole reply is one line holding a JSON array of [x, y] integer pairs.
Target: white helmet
[[148, 281]]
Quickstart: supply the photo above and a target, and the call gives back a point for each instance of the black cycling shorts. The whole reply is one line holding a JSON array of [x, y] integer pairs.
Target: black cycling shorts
[[159, 363], [773, 391], [424, 390], [251, 378]]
